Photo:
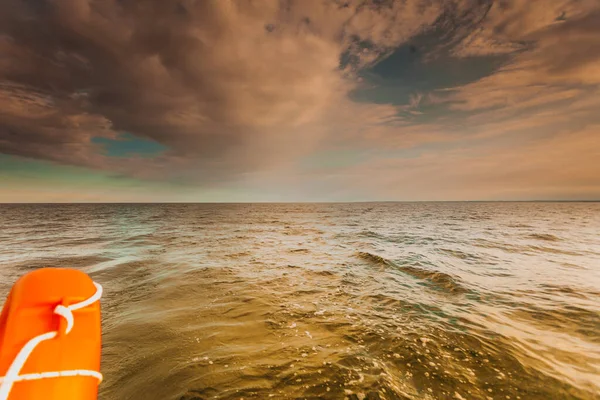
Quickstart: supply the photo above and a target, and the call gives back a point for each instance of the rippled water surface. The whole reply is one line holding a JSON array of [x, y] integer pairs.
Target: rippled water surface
[[331, 301]]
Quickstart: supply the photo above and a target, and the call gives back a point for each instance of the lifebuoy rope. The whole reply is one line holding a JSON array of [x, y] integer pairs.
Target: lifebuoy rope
[[66, 312]]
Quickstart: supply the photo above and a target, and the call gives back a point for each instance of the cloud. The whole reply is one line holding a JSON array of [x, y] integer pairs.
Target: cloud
[[552, 86], [34, 125], [224, 85], [528, 130], [559, 166], [515, 25], [558, 38], [561, 40], [244, 91]]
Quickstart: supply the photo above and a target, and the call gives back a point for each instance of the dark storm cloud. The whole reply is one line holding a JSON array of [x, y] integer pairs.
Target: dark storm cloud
[[203, 78]]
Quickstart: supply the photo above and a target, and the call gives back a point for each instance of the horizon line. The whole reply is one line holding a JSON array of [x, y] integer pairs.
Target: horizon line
[[307, 202]]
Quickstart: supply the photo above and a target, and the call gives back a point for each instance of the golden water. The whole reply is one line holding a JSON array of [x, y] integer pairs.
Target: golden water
[[331, 301]]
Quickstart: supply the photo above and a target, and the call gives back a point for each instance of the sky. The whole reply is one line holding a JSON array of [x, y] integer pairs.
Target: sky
[[306, 100]]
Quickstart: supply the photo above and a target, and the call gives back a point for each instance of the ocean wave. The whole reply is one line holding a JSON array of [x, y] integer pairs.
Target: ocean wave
[[554, 250], [569, 319], [436, 279], [581, 293], [61, 262], [374, 258], [544, 236], [372, 234], [459, 254]]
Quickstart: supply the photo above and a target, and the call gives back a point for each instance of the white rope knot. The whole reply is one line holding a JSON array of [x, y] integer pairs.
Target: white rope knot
[[66, 312]]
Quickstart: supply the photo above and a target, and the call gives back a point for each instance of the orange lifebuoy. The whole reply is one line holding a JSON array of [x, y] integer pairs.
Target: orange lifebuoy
[[50, 337]]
